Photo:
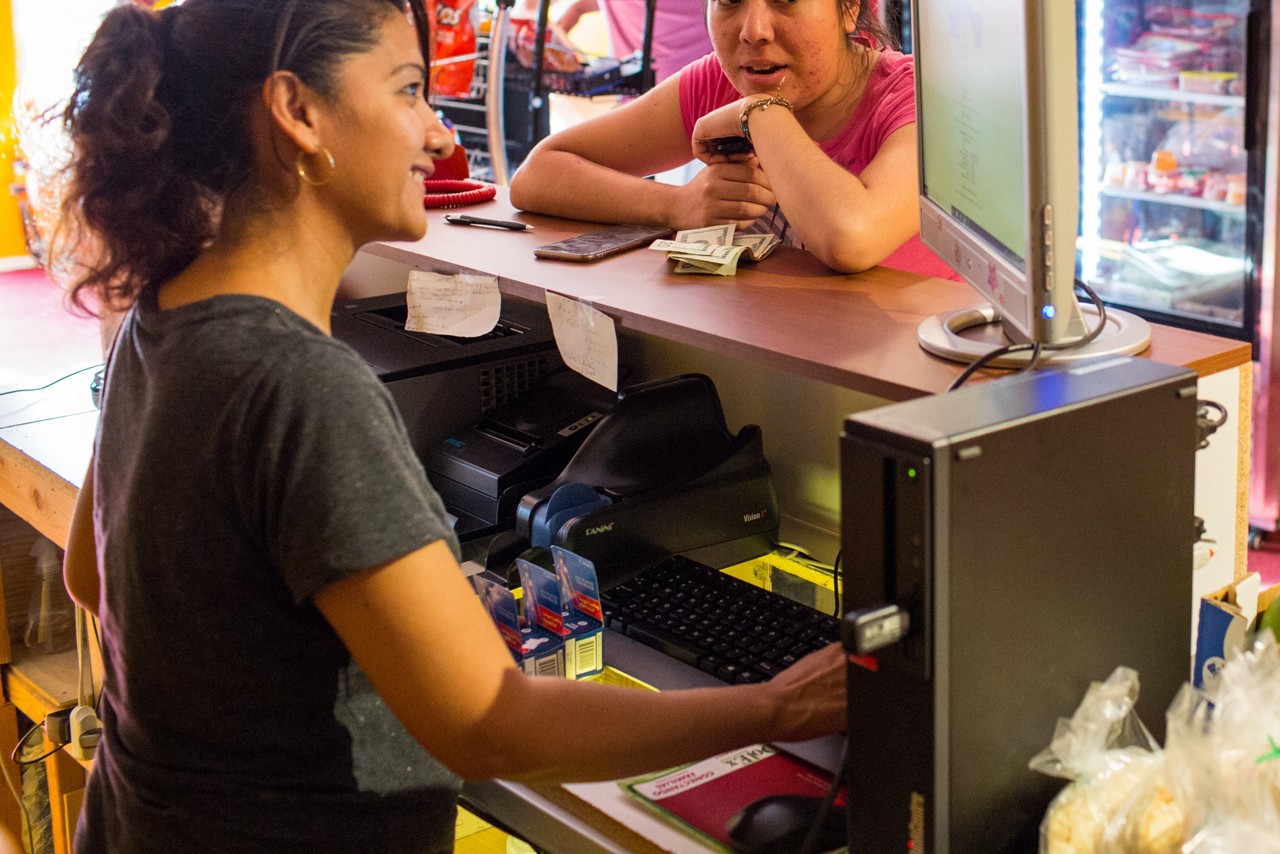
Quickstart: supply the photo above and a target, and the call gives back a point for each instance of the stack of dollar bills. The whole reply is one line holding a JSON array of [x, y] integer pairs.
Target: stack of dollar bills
[[714, 250]]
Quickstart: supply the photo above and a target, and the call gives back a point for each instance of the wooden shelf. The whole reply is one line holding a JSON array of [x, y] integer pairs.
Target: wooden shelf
[[38, 684]]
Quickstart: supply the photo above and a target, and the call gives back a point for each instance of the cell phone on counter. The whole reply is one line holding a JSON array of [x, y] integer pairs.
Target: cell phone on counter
[[601, 243]]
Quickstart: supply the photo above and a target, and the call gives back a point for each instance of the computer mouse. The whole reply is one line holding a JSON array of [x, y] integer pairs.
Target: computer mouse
[[778, 824]]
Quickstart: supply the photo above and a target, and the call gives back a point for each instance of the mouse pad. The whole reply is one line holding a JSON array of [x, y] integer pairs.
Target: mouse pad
[[704, 795]]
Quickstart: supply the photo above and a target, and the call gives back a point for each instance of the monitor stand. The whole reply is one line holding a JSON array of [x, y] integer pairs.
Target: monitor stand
[[941, 335]]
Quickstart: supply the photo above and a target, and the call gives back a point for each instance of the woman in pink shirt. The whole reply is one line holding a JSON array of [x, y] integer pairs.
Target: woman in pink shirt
[[830, 119]]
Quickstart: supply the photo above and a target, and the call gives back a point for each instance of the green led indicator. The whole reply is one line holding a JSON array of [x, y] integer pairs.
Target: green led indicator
[[911, 472]]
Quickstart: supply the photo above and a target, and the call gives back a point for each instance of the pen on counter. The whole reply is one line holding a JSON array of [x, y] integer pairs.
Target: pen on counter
[[467, 219]]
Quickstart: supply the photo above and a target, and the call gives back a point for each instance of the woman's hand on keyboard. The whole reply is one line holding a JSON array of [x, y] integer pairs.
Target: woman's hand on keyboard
[[811, 695]]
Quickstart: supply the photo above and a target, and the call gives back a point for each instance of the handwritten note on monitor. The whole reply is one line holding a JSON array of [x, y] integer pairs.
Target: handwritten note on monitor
[[587, 339], [465, 306]]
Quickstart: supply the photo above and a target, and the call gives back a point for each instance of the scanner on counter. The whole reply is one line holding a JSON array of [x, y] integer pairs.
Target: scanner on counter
[[482, 471], [660, 475]]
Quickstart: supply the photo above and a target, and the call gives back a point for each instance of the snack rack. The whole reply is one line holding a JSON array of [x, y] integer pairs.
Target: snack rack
[[507, 111], [1172, 160]]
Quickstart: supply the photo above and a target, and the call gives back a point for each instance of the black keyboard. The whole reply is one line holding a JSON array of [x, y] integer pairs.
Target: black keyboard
[[727, 627]]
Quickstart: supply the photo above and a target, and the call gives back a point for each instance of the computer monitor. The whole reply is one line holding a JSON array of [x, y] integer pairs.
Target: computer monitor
[[998, 130]]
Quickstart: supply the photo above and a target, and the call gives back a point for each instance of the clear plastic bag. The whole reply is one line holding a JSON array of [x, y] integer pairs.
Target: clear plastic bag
[[1213, 789], [1107, 754], [1232, 742]]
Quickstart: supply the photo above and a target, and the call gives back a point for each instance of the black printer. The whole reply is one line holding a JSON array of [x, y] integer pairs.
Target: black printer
[[442, 383]]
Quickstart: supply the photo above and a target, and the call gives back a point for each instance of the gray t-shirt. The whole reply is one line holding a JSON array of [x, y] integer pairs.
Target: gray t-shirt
[[244, 460]]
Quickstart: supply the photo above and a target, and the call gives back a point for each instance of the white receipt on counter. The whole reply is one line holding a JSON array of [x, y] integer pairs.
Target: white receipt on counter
[[586, 337], [465, 305]]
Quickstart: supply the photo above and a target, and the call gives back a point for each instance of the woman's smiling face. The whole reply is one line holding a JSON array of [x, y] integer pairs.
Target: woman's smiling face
[[384, 137]]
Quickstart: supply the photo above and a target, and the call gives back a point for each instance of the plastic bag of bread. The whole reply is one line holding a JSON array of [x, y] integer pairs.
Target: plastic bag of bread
[[1159, 813], [1083, 818], [1107, 754], [1213, 789], [1231, 741]]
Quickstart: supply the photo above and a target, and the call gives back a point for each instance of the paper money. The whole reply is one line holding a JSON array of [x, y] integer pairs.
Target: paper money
[[714, 250], [758, 245], [684, 248], [716, 235]]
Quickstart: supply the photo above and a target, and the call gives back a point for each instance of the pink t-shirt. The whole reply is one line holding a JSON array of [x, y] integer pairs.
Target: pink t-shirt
[[887, 103], [679, 32]]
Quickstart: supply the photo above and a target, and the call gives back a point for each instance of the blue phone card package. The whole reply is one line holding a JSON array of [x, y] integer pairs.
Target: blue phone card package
[[548, 604], [539, 653], [584, 616]]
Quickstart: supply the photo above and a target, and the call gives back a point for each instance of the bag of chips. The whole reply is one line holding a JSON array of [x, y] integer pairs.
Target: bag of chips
[[454, 63]]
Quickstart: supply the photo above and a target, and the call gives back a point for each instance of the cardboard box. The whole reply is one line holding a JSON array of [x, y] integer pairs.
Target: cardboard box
[[1225, 618]]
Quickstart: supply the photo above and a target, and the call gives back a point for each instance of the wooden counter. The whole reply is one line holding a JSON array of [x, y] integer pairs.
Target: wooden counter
[[789, 311]]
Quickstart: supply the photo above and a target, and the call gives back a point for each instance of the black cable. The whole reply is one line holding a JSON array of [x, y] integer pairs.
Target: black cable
[[985, 359], [815, 829], [1206, 424], [54, 382], [22, 743], [1056, 347]]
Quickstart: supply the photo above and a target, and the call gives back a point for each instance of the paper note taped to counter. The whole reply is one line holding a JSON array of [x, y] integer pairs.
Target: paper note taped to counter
[[587, 339], [465, 305]]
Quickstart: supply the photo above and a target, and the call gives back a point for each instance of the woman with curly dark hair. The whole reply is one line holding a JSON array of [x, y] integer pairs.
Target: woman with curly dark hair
[[294, 661]]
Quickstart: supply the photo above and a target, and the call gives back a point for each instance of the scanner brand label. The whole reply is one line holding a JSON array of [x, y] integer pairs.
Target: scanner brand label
[[598, 529], [915, 826], [756, 516]]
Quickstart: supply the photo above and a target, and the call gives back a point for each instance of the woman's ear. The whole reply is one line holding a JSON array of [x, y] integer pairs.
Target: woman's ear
[[849, 13], [294, 108]]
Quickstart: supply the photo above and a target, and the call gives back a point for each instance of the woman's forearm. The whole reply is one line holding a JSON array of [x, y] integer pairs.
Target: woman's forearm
[[846, 223], [561, 730], [563, 184], [80, 564]]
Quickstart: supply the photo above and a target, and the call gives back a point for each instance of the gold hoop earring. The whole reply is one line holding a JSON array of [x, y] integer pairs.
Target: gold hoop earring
[[301, 168]]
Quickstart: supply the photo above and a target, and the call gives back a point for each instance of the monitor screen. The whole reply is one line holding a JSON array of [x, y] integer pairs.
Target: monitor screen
[[997, 124]]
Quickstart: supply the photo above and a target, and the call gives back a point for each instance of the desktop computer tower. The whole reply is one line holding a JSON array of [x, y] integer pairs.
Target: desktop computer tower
[[1037, 530]]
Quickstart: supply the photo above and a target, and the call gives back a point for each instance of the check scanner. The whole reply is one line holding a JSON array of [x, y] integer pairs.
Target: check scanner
[[483, 470], [660, 475]]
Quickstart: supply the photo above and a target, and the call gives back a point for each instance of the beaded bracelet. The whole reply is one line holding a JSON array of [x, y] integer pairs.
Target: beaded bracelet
[[762, 104], [442, 193]]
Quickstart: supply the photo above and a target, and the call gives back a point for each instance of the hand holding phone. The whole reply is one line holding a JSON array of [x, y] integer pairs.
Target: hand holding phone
[[602, 242], [729, 145]]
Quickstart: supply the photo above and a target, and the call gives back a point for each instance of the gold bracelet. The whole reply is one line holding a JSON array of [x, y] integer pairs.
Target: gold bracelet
[[761, 104]]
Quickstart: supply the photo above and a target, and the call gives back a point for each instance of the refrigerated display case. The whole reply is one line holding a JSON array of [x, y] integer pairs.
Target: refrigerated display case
[[1172, 173]]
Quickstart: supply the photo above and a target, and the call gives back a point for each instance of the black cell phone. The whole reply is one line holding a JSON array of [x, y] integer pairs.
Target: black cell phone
[[602, 242], [730, 145]]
